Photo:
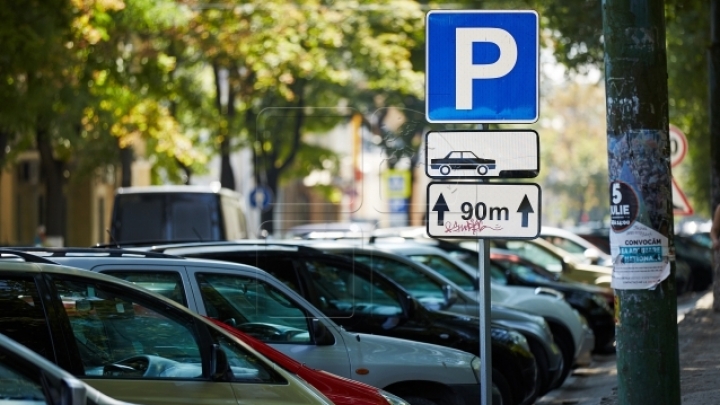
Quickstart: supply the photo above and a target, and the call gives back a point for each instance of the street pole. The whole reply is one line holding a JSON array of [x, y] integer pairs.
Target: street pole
[[714, 76], [641, 202]]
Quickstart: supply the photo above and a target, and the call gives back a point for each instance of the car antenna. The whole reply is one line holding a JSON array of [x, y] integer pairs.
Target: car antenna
[[112, 238], [197, 234]]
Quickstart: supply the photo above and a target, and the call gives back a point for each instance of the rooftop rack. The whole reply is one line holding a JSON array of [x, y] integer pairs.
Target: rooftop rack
[[144, 243], [38, 251], [299, 245], [27, 257]]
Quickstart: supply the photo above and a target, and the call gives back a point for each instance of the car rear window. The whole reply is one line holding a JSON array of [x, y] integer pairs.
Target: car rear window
[[166, 216]]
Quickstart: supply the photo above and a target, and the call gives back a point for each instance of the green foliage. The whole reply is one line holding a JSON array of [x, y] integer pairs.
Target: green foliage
[[688, 41], [576, 37]]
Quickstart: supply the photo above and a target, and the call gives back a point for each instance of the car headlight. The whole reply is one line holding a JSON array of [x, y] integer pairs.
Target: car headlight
[[519, 339], [601, 302], [476, 364], [392, 399]]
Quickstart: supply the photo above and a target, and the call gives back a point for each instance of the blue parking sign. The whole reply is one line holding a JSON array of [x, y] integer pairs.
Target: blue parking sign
[[482, 66]]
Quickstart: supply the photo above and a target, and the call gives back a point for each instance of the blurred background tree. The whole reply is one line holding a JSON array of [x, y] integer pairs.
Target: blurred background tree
[[95, 82]]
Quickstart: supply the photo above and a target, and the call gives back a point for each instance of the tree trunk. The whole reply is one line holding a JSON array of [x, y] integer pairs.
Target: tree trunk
[[126, 161], [227, 177], [52, 171], [267, 217], [272, 172], [714, 73], [4, 140], [187, 171]]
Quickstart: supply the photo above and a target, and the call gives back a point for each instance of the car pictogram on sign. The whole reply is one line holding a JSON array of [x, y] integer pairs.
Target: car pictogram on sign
[[462, 160]]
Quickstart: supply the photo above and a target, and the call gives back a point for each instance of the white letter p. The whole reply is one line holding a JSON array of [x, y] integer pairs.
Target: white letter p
[[466, 71]]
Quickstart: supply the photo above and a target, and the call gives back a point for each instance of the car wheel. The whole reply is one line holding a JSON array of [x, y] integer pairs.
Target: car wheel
[[542, 367], [444, 170], [496, 396], [482, 170], [688, 284], [567, 348], [503, 387]]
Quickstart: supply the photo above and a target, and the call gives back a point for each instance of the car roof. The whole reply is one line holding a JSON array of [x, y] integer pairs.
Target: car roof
[[69, 256], [232, 246], [176, 189]]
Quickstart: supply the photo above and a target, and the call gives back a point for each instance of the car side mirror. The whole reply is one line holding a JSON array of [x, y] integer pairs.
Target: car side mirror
[[593, 255], [450, 294], [321, 333], [219, 365], [566, 268], [72, 392]]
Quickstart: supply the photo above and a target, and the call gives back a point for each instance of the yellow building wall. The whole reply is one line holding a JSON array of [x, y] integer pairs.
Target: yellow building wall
[[88, 204], [78, 221], [8, 214]]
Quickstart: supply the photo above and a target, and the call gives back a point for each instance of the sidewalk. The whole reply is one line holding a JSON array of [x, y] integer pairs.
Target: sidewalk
[[699, 346]]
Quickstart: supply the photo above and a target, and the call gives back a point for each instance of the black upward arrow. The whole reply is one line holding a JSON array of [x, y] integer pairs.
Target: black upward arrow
[[441, 207], [525, 208]]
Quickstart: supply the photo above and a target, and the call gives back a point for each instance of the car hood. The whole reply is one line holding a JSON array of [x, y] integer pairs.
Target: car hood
[[380, 349], [547, 303]]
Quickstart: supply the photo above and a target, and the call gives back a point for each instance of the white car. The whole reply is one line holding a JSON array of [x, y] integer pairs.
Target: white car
[[580, 249], [266, 308]]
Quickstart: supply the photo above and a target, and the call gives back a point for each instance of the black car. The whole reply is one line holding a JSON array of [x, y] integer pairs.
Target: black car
[[692, 254], [595, 303], [319, 276], [699, 257]]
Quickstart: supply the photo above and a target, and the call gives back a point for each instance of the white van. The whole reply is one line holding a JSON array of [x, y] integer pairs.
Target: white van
[[177, 213]]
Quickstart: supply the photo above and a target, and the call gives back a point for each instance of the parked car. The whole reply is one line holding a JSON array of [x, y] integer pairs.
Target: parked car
[[362, 300], [538, 250], [434, 266], [581, 249], [594, 303], [134, 345], [26, 378], [174, 213], [690, 265], [698, 257], [264, 307], [438, 293]]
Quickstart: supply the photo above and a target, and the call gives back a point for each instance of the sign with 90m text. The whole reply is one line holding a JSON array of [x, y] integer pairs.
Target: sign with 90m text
[[483, 210], [482, 66]]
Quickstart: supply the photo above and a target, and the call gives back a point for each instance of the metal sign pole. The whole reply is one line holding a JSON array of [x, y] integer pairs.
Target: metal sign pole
[[484, 298]]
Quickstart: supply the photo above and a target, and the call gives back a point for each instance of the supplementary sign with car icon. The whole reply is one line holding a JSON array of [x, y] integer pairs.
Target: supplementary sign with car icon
[[473, 154]]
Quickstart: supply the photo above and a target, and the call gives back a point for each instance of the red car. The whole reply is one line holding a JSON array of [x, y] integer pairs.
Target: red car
[[340, 390]]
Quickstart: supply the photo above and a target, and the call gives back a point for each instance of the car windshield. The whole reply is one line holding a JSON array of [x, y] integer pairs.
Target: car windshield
[[565, 244], [526, 271], [535, 254], [344, 292], [16, 388], [166, 216], [254, 307], [421, 286], [448, 269]]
